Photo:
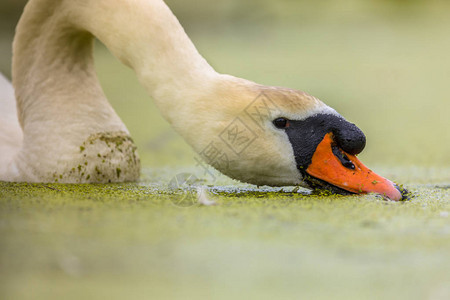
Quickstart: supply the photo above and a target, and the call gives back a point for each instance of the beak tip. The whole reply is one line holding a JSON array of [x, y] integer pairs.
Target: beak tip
[[405, 194], [330, 167]]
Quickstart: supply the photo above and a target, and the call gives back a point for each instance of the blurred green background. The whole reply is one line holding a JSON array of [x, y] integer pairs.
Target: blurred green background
[[384, 65]]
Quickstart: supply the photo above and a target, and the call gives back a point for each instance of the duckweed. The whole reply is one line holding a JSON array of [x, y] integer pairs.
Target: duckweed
[[131, 239]]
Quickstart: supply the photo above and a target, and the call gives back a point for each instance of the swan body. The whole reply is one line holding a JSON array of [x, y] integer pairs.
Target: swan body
[[10, 133], [68, 131]]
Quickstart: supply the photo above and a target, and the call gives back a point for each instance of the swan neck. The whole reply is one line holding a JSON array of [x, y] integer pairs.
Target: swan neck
[[53, 53], [147, 37]]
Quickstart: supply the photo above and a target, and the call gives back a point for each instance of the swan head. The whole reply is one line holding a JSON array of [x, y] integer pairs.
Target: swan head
[[282, 137]]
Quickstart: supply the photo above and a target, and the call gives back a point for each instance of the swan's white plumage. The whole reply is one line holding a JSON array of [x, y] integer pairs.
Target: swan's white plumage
[[7, 100], [10, 131], [70, 129]]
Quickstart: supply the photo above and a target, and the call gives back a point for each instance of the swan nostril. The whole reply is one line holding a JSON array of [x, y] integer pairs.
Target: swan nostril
[[348, 164], [343, 158]]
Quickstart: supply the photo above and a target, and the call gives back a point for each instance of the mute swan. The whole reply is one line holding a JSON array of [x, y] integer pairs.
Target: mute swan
[[254, 133]]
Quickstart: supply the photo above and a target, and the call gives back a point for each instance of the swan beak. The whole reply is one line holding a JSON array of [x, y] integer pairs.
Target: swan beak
[[332, 165]]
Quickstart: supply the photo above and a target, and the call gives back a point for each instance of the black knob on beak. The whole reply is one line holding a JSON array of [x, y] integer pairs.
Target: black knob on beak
[[349, 137], [305, 135]]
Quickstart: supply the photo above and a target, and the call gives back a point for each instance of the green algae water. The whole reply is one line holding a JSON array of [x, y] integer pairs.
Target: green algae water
[[130, 240], [134, 240]]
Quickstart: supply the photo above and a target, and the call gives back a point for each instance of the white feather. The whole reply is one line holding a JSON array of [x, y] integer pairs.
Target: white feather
[[202, 197]]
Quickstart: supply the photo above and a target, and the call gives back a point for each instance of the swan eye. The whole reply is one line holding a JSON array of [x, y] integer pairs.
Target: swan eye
[[281, 123]]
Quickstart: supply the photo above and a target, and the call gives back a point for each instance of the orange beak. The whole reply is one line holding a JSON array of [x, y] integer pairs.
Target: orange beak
[[345, 171]]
